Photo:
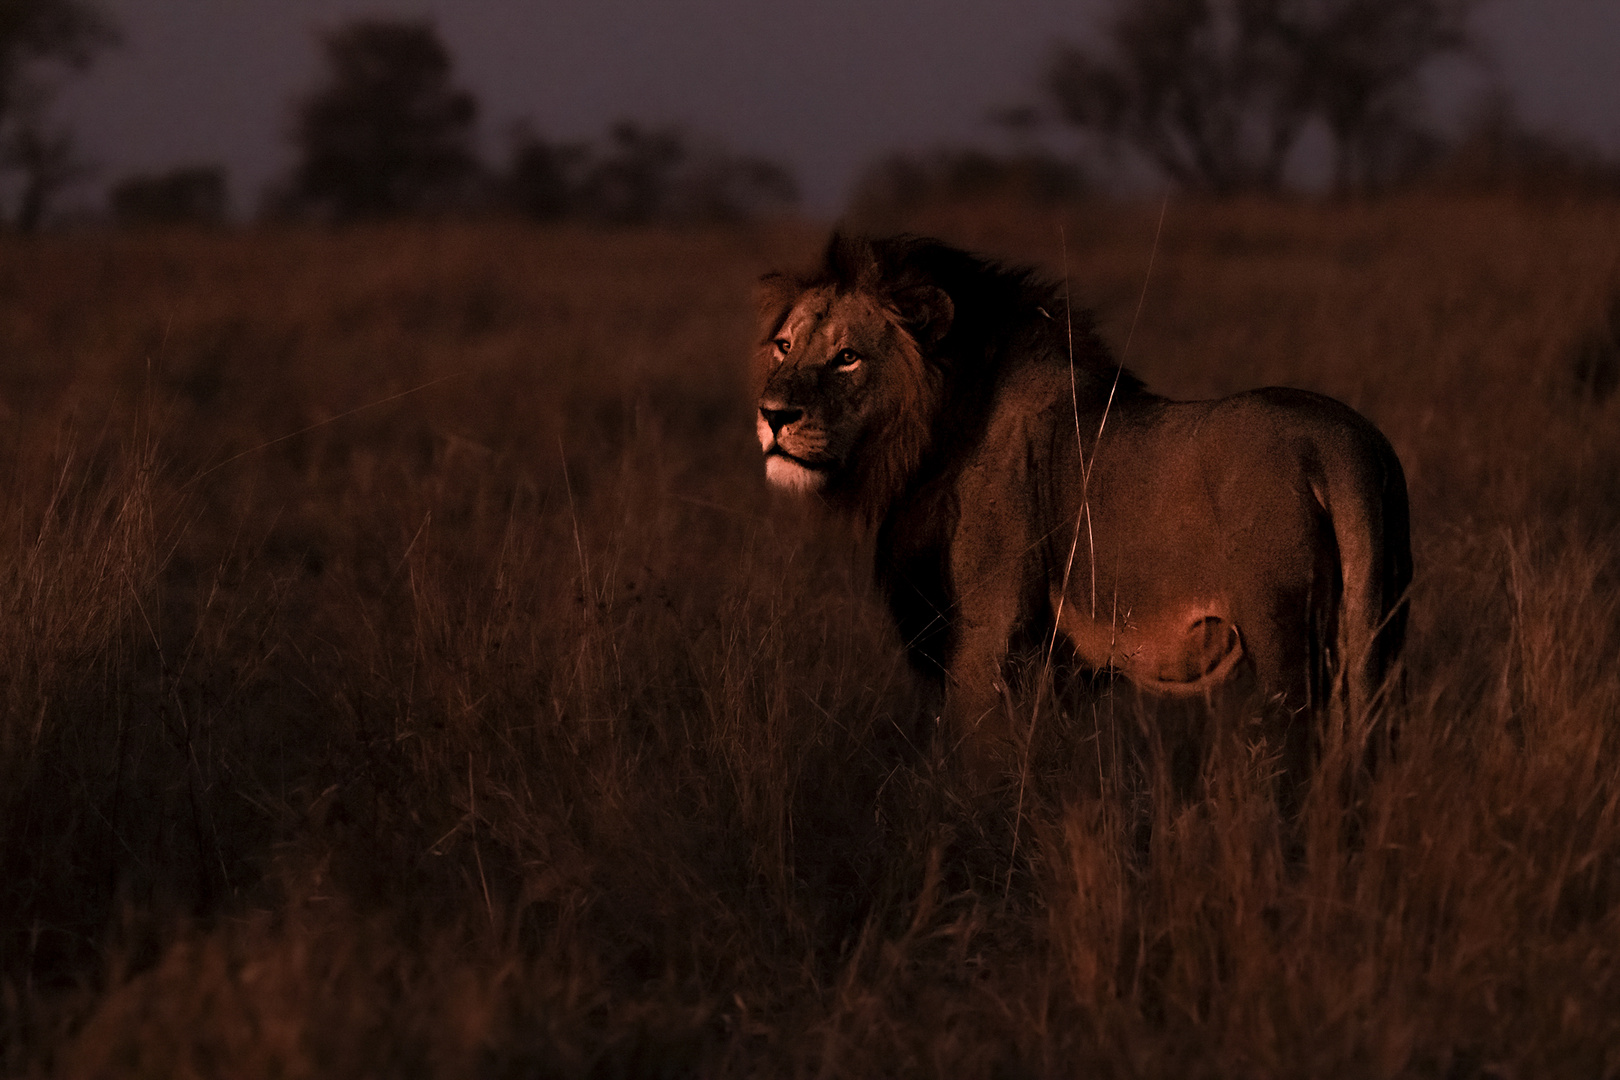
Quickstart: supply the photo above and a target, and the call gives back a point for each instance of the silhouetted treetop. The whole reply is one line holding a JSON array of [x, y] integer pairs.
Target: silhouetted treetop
[[388, 132], [1217, 93]]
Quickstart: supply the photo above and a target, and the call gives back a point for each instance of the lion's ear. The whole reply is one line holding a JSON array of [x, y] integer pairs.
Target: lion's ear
[[773, 295], [927, 312]]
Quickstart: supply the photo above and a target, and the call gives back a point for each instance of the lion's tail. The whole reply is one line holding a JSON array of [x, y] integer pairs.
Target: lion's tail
[[1375, 561]]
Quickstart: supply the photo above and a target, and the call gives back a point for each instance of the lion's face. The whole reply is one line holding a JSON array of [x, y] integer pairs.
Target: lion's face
[[838, 374]]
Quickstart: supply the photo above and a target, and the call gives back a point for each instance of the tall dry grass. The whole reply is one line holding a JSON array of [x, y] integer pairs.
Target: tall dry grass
[[404, 670]]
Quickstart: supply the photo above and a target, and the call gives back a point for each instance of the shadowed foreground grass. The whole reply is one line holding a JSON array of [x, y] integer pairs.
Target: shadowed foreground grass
[[499, 723]]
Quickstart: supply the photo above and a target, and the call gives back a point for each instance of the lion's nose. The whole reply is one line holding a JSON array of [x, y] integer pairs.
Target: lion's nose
[[779, 418]]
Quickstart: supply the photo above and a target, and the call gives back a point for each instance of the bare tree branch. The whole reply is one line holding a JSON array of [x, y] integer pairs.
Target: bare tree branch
[[1216, 93]]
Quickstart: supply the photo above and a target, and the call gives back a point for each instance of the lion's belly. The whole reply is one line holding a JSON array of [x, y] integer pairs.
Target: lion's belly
[[1191, 649], [1192, 570]]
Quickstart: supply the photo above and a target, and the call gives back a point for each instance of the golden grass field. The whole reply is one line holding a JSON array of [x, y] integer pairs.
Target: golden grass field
[[404, 671]]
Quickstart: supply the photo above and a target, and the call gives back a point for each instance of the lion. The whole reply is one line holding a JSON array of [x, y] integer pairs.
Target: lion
[[1016, 476]]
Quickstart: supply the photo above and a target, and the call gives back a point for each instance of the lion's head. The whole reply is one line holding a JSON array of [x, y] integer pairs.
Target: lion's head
[[849, 390]]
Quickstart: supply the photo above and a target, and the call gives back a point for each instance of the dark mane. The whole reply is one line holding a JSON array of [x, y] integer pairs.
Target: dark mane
[[1001, 312]]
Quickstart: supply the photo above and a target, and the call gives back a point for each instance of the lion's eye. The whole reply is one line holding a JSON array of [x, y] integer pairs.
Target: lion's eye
[[782, 345], [846, 359]]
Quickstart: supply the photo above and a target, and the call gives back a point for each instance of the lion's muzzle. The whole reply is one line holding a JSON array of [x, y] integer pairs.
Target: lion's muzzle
[[777, 416], [779, 427]]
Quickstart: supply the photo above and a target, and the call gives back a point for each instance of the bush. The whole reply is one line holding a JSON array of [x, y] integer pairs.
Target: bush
[[186, 196]]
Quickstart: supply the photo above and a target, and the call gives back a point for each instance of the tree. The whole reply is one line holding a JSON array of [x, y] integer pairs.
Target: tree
[[1360, 65], [1216, 93], [388, 133], [45, 162], [39, 39], [1196, 86]]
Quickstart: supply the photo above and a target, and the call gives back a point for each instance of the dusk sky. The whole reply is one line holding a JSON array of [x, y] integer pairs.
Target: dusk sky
[[823, 87]]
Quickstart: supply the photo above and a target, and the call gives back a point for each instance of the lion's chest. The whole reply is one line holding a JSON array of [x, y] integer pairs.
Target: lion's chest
[[912, 569]]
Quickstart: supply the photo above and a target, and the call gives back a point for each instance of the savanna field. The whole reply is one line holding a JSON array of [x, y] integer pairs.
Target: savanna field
[[404, 670]]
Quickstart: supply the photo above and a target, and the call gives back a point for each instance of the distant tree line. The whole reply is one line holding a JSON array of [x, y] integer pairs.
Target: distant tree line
[[389, 133], [1216, 94], [1216, 97], [1213, 96], [640, 174], [898, 184], [1497, 151], [190, 195]]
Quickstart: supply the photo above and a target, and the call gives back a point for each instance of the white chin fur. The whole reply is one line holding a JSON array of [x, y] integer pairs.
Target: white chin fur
[[790, 475]]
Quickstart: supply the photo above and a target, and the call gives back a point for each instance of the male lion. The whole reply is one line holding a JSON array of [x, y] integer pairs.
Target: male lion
[[1018, 478]]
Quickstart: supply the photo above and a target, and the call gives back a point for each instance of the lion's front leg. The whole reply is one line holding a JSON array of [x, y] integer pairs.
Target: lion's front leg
[[978, 721], [988, 569]]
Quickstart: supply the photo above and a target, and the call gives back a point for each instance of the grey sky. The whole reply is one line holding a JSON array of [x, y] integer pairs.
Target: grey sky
[[823, 86]]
